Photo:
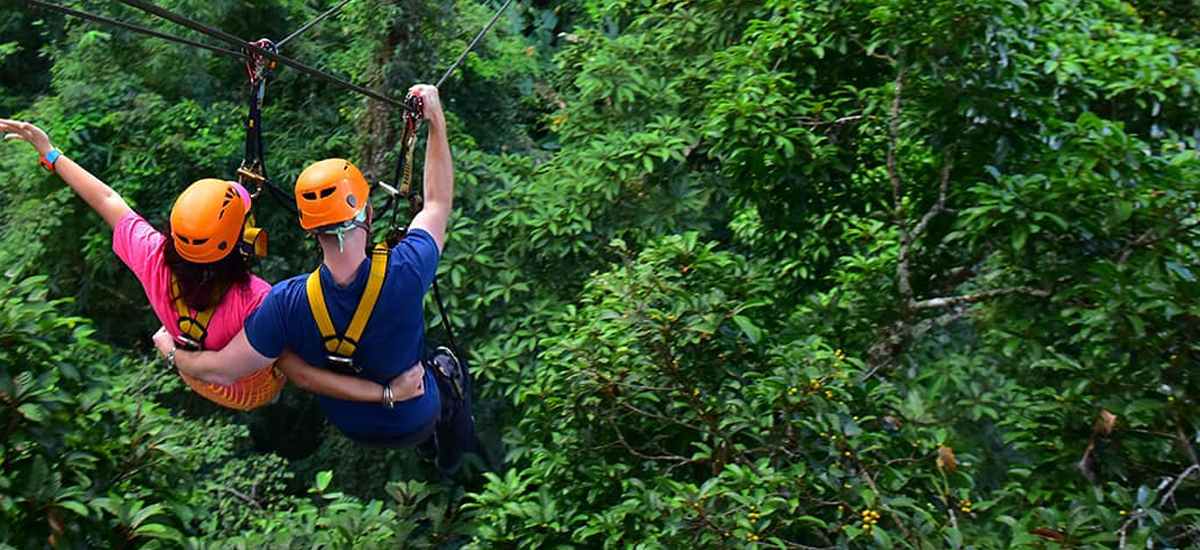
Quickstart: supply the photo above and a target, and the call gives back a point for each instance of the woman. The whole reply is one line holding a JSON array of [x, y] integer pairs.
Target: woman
[[198, 282]]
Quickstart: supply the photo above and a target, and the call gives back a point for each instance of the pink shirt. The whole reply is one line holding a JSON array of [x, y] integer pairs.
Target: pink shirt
[[140, 246]]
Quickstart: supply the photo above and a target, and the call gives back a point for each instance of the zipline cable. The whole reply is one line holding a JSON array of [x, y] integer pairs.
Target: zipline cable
[[130, 27], [474, 42], [309, 25], [403, 174], [233, 40]]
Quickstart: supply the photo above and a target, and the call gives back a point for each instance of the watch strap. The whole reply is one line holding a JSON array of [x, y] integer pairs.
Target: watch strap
[[49, 160]]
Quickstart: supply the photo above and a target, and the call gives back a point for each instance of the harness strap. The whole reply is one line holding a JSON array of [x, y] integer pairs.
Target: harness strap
[[254, 238], [193, 328], [341, 347], [414, 107]]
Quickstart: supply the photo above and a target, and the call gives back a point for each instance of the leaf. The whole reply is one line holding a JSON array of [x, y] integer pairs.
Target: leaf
[[323, 479], [1183, 157], [145, 513], [1018, 238], [32, 412], [748, 327], [74, 506], [1183, 272]]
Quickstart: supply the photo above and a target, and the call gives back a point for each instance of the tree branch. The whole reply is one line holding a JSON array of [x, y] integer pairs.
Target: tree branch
[[668, 458], [1139, 513], [1183, 440], [643, 412], [897, 197], [939, 206], [815, 123], [243, 496], [947, 301], [1170, 493], [1150, 237]]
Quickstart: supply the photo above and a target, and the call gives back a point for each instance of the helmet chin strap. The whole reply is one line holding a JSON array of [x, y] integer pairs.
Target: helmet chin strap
[[358, 221]]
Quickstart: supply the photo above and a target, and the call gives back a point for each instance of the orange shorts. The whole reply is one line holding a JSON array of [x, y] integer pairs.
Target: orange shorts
[[259, 388]]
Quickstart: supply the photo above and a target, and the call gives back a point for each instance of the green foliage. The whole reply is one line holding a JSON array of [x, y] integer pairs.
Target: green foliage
[[740, 274], [83, 462]]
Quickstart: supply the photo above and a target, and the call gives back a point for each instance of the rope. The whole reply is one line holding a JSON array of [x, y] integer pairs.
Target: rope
[[309, 25], [474, 42], [437, 296], [233, 40], [130, 27]]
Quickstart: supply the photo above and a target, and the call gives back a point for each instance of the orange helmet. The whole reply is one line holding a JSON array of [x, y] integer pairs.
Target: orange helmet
[[330, 191], [207, 220]]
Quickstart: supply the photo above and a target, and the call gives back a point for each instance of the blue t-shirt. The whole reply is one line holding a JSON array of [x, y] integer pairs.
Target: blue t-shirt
[[392, 341]]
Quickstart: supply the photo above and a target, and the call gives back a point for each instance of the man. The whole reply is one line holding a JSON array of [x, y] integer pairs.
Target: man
[[362, 316]]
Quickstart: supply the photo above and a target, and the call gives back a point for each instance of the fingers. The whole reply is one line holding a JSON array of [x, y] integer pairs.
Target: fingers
[[417, 376], [12, 136], [163, 341], [429, 96], [13, 125], [410, 384]]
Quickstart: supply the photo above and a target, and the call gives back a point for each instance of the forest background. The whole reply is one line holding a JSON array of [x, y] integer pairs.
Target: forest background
[[763, 274]]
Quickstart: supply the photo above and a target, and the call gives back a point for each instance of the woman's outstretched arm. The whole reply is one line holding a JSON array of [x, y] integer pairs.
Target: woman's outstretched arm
[[96, 193]]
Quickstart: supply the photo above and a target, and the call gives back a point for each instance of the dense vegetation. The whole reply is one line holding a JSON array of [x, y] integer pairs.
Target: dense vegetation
[[770, 274]]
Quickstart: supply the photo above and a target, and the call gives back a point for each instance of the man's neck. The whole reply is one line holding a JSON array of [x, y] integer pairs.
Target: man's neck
[[343, 264]]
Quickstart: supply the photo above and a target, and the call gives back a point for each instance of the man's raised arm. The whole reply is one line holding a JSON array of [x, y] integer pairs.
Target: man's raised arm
[[439, 170]]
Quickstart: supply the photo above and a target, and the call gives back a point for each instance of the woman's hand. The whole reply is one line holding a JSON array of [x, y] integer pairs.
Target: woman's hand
[[163, 341], [409, 385], [15, 129]]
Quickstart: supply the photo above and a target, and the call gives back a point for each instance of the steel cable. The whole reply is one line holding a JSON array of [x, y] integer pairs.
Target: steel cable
[[233, 40], [309, 25], [130, 27]]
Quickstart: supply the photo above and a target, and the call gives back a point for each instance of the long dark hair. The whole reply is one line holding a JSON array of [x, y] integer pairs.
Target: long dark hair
[[203, 285]]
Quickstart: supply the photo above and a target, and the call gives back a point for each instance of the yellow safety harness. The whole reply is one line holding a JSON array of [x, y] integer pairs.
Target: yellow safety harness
[[192, 328], [254, 390], [341, 347]]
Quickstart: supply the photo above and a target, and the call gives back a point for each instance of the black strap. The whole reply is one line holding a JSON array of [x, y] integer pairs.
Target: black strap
[[437, 296], [259, 69]]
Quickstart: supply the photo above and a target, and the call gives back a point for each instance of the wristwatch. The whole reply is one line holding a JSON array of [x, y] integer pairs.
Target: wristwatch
[[48, 160], [387, 397], [171, 357]]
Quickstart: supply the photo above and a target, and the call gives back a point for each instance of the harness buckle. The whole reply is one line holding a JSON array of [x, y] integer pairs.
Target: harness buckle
[[395, 235], [252, 173], [186, 343], [344, 362]]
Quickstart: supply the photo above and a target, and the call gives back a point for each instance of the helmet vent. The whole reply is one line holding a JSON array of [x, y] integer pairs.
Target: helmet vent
[[326, 192], [310, 196], [198, 242], [185, 239], [221, 245]]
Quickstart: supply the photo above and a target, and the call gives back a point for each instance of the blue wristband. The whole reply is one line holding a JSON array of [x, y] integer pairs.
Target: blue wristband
[[48, 160]]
